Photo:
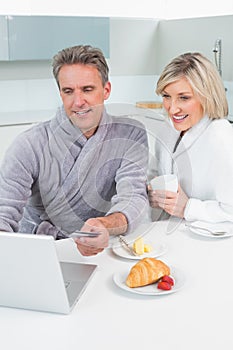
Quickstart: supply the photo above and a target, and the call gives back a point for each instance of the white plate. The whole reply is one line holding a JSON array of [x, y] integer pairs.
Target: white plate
[[158, 250], [204, 233], [120, 277]]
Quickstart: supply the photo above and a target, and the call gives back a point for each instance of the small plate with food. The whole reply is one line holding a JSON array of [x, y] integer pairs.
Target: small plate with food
[[150, 276], [138, 249]]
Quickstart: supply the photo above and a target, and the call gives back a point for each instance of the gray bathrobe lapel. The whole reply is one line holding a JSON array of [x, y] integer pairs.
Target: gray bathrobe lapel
[[64, 180]]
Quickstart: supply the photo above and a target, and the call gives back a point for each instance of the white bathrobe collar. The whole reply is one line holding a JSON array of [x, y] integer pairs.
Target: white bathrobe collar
[[192, 135]]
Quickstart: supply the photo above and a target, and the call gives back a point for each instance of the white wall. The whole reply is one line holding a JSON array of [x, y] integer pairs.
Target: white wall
[[133, 46], [139, 49], [122, 8], [196, 34], [30, 86]]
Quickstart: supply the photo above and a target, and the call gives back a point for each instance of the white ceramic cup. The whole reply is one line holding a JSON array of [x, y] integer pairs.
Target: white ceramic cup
[[165, 182]]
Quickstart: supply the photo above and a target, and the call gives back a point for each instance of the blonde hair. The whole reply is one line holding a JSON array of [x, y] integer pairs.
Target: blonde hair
[[204, 79]]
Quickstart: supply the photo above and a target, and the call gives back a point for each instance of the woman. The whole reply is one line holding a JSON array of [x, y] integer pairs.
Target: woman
[[196, 143]]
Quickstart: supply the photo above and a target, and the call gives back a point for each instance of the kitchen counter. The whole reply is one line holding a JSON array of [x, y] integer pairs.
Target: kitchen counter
[[13, 123], [198, 316], [24, 117]]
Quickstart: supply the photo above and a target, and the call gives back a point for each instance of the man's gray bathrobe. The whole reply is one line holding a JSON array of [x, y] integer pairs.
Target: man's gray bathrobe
[[53, 178]]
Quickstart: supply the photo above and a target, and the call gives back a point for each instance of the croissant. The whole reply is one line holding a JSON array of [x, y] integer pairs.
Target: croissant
[[146, 271]]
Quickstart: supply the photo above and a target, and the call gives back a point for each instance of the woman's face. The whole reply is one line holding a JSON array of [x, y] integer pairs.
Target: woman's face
[[183, 107]]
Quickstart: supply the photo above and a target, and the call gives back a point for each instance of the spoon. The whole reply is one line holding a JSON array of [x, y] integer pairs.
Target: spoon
[[214, 233]]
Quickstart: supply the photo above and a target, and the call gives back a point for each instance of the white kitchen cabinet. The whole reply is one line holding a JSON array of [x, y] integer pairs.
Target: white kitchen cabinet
[[4, 54], [41, 37]]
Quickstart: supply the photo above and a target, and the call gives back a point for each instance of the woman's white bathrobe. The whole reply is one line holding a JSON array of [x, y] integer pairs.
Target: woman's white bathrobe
[[203, 161]]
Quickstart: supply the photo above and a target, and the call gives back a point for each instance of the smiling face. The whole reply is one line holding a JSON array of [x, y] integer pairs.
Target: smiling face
[[83, 95], [183, 107]]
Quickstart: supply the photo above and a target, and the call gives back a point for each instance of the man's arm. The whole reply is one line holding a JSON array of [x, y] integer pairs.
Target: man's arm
[[17, 174], [131, 196], [115, 223]]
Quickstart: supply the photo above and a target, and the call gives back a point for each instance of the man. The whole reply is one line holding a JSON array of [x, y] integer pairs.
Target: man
[[83, 169]]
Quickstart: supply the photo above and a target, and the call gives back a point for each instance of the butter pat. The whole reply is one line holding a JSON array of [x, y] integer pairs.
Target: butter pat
[[138, 246], [147, 248]]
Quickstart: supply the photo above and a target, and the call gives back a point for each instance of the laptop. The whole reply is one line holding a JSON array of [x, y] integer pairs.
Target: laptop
[[33, 278]]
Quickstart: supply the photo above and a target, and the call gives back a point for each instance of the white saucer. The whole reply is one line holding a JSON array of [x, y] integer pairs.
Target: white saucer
[[158, 250], [119, 279], [204, 233]]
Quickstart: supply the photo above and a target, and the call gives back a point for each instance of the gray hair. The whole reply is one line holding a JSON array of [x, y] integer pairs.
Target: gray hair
[[204, 79], [81, 54]]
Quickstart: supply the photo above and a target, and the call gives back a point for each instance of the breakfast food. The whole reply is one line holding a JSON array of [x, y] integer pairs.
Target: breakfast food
[[147, 248], [168, 279], [140, 248], [146, 271], [166, 283]]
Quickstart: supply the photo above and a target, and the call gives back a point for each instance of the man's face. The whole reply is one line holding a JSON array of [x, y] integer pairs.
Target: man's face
[[83, 95]]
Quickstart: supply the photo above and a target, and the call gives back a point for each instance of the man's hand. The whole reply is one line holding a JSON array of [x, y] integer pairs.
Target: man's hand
[[94, 245], [114, 224]]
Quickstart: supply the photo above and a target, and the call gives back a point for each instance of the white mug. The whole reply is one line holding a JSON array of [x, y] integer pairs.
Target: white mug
[[165, 182]]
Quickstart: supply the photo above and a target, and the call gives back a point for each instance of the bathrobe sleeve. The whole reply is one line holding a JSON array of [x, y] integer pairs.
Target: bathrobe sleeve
[[17, 174], [131, 196], [215, 200]]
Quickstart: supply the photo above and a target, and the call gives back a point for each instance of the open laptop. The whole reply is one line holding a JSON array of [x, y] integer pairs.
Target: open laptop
[[31, 277]]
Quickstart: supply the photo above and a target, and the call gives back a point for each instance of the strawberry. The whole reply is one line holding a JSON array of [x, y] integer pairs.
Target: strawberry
[[168, 279], [164, 285]]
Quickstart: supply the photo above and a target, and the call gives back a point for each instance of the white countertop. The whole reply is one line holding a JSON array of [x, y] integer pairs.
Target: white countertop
[[106, 317], [25, 117]]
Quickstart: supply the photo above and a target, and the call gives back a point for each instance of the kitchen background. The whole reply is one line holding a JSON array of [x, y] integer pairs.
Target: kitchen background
[[140, 41]]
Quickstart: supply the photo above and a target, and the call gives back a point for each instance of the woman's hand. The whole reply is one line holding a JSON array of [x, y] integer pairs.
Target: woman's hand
[[173, 203], [152, 196], [94, 245]]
